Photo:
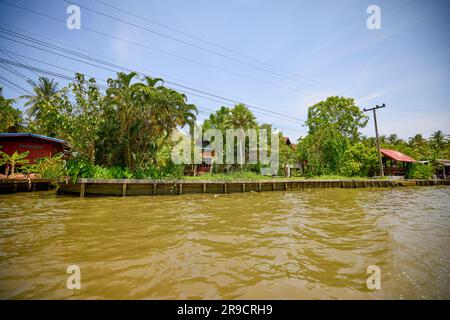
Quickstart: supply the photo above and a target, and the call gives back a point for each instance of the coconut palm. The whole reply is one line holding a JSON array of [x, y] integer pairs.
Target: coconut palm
[[437, 140], [45, 91]]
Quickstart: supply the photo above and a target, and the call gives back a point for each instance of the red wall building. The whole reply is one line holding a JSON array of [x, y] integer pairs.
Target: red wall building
[[38, 146]]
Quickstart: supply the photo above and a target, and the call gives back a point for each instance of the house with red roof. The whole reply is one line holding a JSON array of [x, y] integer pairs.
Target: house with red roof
[[395, 163]]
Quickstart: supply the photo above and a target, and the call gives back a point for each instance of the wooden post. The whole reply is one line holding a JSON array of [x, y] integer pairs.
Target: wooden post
[[225, 189], [259, 186], [180, 188], [204, 187], [124, 189], [285, 186], [377, 136], [154, 188], [273, 186], [82, 189], [243, 186]]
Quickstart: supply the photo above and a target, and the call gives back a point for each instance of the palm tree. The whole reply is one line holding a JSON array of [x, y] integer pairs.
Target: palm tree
[[241, 118], [437, 141], [44, 92], [139, 118], [393, 139]]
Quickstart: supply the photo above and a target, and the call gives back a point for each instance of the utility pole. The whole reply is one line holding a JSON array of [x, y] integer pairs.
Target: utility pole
[[376, 133]]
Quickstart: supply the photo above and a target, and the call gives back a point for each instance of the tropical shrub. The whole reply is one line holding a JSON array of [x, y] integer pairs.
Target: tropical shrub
[[420, 171], [50, 168], [358, 160]]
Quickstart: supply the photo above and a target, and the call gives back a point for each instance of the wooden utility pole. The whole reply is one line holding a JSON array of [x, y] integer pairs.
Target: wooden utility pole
[[376, 133]]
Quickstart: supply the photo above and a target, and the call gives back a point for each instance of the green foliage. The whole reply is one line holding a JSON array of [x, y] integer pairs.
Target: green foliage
[[11, 161], [238, 117], [10, 117], [333, 127], [323, 150], [138, 120], [81, 168], [218, 120], [124, 132], [420, 171], [286, 154], [339, 113], [50, 168], [359, 160], [44, 108]]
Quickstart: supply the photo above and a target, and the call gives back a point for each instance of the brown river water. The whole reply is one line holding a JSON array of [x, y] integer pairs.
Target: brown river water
[[302, 244]]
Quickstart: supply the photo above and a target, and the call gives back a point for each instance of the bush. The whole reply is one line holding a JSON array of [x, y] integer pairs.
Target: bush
[[358, 160], [50, 168], [420, 171]]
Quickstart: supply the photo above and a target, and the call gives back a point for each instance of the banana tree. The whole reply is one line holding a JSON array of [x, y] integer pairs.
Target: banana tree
[[11, 161]]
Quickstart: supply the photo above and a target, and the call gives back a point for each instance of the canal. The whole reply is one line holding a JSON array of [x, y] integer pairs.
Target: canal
[[312, 243]]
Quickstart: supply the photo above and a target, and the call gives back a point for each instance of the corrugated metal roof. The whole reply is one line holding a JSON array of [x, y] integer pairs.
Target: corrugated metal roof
[[444, 162], [29, 134], [396, 155]]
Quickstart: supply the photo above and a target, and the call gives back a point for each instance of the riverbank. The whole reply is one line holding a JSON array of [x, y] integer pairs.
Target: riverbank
[[130, 187], [13, 185]]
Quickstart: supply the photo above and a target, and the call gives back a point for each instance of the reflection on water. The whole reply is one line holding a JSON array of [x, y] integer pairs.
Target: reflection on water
[[300, 244]]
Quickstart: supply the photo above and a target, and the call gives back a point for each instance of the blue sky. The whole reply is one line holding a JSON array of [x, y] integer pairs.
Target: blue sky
[[291, 54]]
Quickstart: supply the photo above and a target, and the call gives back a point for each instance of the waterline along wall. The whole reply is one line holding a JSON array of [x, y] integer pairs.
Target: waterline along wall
[[125, 187], [25, 185]]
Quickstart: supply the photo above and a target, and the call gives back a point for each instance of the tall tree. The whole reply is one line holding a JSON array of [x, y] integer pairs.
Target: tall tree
[[44, 93], [437, 143], [218, 119], [139, 118], [339, 113], [241, 118], [10, 117]]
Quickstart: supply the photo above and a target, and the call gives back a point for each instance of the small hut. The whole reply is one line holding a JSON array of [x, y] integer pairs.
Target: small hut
[[443, 171], [395, 163]]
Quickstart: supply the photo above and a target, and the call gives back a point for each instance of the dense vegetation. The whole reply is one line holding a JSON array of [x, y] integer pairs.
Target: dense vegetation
[[124, 132]]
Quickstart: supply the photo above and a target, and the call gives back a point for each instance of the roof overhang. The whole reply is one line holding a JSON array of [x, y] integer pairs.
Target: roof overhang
[[396, 155]]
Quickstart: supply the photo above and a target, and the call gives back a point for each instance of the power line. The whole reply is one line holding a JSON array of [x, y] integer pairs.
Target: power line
[[303, 80], [15, 59], [13, 88], [16, 73], [165, 76], [15, 85], [217, 45], [58, 75], [155, 49], [287, 117]]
